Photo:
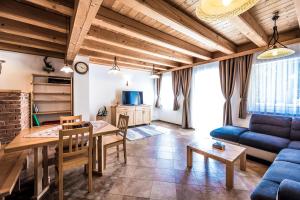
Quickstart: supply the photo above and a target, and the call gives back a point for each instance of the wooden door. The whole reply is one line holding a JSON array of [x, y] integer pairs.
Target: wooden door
[[146, 116], [139, 119], [131, 114]]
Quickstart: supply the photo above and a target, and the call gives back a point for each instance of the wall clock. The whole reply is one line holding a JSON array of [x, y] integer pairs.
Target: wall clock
[[81, 67]]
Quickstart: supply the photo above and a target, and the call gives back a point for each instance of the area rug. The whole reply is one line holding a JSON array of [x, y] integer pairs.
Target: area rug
[[141, 132]]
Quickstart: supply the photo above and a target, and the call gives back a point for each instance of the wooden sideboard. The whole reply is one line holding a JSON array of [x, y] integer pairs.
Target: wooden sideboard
[[137, 114]]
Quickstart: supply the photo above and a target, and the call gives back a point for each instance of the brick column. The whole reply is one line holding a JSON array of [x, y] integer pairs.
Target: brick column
[[14, 114]]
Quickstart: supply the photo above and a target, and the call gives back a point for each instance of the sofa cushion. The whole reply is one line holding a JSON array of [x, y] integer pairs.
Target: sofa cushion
[[289, 155], [289, 190], [262, 141], [295, 129], [266, 190], [294, 145], [230, 133], [272, 125], [281, 170]]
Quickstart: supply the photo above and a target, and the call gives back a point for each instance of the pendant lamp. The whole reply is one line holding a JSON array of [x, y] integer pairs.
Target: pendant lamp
[[275, 48], [153, 74], [219, 10], [66, 68], [115, 68]]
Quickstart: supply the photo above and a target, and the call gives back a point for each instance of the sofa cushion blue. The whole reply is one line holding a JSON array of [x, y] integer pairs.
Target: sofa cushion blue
[[266, 190], [231, 133], [295, 129], [262, 141], [289, 155], [272, 125], [294, 145], [289, 190], [281, 170]]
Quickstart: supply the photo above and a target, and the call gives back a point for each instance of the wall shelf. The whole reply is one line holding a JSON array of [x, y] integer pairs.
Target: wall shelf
[[54, 112], [51, 93]]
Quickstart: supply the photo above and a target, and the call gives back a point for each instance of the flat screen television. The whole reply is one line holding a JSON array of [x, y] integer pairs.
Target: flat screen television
[[132, 97]]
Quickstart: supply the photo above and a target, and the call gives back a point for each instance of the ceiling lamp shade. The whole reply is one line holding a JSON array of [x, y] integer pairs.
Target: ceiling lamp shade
[[275, 48], [153, 74], [115, 68], [219, 10], [67, 69]]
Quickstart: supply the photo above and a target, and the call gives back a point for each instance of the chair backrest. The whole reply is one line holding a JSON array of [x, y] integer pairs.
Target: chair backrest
[[76, 140], [70, 119], [123, 124]]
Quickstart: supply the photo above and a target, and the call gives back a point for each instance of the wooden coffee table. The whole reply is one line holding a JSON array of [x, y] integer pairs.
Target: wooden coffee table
[[228, 156]]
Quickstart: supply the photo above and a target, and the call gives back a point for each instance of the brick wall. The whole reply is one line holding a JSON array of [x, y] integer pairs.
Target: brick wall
[[14, 114]]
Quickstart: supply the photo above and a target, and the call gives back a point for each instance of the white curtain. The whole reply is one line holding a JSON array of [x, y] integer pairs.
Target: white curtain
[[275, 85], [206, 98]]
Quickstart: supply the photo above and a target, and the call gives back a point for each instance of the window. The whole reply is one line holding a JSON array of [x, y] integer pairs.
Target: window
[[166, 93], [275, 86], [206, 98]]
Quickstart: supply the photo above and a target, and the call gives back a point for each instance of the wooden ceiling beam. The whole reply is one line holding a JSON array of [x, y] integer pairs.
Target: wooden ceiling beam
[[22, 41], [249, 27], [290, 37], [121, 65], [33, 32], [29, 50], [111, 38], [297, 7], [120, 52], [52, 6], [114, 21], [30, 15], [85, 12], [108, 57], [168, 15]]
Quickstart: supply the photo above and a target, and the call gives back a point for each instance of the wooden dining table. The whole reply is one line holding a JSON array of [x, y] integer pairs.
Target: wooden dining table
[[40, 148]]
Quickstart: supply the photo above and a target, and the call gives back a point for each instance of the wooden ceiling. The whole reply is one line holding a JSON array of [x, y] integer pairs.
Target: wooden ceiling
[[141, 33]]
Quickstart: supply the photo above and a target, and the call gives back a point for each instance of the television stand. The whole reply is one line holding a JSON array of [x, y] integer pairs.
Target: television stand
[[138, 115]]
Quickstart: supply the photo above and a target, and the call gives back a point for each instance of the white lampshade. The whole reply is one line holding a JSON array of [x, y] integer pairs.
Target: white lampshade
[[277, 52], [154, 76], [218, 10], [67, 69]]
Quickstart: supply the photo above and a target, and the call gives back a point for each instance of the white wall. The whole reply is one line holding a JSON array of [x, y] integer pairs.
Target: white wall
[[105, 89], [18, 69], [81, 89]]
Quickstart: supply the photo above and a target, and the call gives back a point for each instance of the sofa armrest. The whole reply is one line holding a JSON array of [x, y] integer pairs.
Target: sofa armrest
[[288, 190]]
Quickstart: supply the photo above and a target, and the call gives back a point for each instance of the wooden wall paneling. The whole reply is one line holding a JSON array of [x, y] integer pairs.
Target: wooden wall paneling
[[107, 49], [30, 15], [113, 21], [179, 21], [111, 38], [85, 12], [21, 29], [29, 50]]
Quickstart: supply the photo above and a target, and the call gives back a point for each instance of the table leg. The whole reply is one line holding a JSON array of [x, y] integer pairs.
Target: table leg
[[40, 172], [100, 155], [45, 167], [189, 157], [94, 153], [229, 176], [243, 162]]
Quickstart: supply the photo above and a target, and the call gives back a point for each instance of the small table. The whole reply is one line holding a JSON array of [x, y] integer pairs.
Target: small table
[[228, 156]]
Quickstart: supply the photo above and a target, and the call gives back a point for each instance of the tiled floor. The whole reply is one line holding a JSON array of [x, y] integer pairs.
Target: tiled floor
[[156, 169]]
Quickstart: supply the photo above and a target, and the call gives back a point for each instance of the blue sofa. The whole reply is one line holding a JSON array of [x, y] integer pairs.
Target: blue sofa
[[278, 135]]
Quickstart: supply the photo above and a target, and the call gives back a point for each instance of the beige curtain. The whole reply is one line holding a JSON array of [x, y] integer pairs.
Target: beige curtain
[[176, 84], [186, 81], [227, 69], [244, 66], [158, 87]]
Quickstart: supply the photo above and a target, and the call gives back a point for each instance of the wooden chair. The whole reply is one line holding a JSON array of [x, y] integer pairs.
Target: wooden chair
[[76, 155], [70, 119], [118, 139]]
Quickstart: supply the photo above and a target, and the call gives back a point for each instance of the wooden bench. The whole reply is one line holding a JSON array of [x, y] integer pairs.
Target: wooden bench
[[11, 165]]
